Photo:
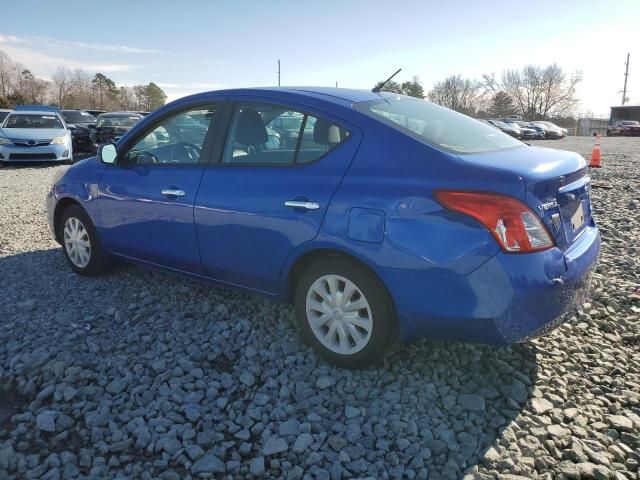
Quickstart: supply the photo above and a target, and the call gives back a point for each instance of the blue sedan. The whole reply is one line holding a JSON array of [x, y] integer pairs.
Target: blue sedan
[[379, 216]]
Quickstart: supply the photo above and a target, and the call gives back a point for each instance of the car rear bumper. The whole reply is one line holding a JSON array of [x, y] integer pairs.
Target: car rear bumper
[[48, 153], [510, 298]]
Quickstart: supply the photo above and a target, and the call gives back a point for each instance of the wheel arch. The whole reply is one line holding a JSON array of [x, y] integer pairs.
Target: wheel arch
[[306, 259], [61, 206]]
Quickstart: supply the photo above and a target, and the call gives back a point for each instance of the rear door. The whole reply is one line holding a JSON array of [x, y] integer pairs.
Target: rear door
[[265, 195], [146, 199]]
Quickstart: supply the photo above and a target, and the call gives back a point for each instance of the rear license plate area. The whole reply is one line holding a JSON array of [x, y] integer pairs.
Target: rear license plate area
[[578, 218]]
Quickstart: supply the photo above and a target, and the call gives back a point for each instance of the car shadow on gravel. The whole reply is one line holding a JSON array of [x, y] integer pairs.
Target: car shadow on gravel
[[431, 407]]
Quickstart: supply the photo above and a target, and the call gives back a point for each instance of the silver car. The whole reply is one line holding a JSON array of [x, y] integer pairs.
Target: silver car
[[35, 136]]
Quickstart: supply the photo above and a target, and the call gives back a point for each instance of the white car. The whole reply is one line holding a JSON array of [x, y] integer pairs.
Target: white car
[[35, 135]]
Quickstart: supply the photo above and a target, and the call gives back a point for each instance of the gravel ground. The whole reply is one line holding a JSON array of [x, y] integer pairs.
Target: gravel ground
[[145, 375]]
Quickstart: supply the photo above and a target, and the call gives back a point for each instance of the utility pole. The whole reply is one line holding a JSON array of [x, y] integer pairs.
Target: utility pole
[[278, 72], [626, 76]]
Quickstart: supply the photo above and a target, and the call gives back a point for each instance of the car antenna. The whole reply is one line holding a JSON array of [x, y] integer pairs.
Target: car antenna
[[379, 87]]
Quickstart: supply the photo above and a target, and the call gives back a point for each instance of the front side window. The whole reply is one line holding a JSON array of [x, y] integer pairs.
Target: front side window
[[32, 120], [270, 134], [436, 125], [178, 139]]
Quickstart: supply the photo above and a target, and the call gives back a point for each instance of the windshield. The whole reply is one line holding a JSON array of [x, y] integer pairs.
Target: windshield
[[111, 121], [3, 115], [32, 120], [500, 124], [78, 117], [630, 123], [436, 125]]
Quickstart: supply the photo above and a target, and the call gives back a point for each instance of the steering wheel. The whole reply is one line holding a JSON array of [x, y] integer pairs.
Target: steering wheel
[[145, 158], [192, 150]]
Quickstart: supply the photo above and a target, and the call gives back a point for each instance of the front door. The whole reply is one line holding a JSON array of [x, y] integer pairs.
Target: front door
[[146, 198], [269, 193]]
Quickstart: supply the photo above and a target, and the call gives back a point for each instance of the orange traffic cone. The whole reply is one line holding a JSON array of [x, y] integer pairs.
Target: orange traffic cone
[[595, 154]]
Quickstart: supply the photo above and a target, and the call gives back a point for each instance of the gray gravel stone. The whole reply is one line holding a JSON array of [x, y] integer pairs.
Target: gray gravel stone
[[256, 467], [471, 402], [274, 445], [45, 421], [210, 463]]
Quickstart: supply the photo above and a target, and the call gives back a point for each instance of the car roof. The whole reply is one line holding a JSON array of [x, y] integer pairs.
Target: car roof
[[34, 112], [339, 96], [120, 114]]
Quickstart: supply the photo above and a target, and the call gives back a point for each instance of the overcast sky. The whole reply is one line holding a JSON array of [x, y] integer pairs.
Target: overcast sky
[[191, 46]]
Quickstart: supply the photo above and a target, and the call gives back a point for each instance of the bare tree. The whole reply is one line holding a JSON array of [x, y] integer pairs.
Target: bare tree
[[61, 85], [457, 93], [6, 69], [538, 93], [80, 95], [126, 99]]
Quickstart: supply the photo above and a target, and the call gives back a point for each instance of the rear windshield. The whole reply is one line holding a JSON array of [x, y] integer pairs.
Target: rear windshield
[[120, 121], [438, 126], [32, 120], [78, 117]]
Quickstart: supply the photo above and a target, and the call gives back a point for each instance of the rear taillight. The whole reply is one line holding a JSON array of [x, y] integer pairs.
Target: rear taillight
[[516, 228]]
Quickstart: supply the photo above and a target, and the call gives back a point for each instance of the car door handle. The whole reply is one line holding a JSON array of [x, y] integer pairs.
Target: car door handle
[[302, 204], [173, 193]]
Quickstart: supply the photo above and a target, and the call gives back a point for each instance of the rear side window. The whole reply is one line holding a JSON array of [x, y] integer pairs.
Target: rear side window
[[270, 134], [438, 126]]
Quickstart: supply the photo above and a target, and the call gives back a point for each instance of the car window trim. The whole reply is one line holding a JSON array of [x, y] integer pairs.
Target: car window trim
[[217, 160], [206, 145]]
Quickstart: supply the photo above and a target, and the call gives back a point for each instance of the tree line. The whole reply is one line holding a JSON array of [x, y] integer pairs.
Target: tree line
[[73, 89], [535, 93]]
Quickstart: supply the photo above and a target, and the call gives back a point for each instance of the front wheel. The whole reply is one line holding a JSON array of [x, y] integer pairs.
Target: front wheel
[[345, 313], [80, 242]]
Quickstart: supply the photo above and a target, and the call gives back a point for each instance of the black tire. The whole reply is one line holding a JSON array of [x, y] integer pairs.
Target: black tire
[[383, 319], [98, 262]]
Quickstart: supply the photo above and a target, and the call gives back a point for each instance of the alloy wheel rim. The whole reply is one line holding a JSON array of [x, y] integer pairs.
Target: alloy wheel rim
[[77, 243], [339, 314]]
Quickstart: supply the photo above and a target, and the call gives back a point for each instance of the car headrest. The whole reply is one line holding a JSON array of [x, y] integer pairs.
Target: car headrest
[[324, 132], [250, 129]]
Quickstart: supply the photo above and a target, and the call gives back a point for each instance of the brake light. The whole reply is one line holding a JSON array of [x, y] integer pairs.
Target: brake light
[[516, 228]]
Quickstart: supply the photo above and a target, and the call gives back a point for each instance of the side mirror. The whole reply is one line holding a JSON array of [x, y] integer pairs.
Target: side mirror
[[107, 153]]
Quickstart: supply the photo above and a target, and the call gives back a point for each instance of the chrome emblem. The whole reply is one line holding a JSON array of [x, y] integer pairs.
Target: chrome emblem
[[555, 219], [548, 206], [31, 142]]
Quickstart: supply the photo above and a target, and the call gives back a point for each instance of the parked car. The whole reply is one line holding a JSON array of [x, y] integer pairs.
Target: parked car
[[395, 216], [505, 127], [624, 128], [3, 114], [527, 131], [562, 131], [80, 123], [552, 133], [95, 113], [35, 134], [111, 126]]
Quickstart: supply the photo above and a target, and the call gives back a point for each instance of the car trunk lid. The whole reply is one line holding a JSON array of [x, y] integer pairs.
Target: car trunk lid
[[557, 187]]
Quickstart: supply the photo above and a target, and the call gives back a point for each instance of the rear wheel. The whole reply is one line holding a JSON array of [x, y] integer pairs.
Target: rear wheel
[[345, 313], [80, 242]]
